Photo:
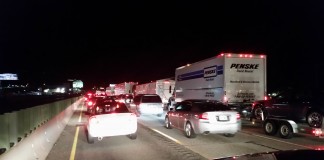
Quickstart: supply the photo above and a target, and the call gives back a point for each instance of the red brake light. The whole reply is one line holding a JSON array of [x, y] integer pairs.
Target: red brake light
[[238, 116], [317, 132], [203, 116], [90, 103]]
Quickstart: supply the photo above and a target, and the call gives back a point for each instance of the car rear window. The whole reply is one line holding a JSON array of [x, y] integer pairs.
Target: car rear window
[[151, 99], [206, 107], [113, 109]]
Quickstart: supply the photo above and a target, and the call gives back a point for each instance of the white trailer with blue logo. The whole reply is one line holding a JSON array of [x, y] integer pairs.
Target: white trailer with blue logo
[[229, 78]]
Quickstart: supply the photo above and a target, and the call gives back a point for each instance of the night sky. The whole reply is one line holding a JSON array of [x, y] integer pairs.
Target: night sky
[[112, 42]]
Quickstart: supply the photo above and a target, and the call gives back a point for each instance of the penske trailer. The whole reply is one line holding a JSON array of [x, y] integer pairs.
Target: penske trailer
[[237, 79]]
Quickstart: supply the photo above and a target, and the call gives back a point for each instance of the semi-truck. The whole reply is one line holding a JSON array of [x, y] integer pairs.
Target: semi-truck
[[232, 78], [123, 88], [163, 87]]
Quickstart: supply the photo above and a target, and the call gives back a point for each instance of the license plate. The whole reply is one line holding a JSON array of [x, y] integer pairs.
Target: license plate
[[223, 118]]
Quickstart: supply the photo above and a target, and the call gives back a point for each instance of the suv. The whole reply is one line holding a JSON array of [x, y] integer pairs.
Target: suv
[[148, 104], [301, 105]]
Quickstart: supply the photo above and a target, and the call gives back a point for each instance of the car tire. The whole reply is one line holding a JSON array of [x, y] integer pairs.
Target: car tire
[[270, 127], [90, 138], [133, 136], [314, 119], [167, 123], [189, 132], [285, 130], [229, 134]]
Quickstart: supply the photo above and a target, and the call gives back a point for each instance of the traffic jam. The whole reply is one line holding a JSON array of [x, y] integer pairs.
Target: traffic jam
[[223, 95]]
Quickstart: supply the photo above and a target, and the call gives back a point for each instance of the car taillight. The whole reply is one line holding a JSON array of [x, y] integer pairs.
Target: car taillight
[[203, 116], [317, 131], [90, 103], [238, 116], [93, 120]]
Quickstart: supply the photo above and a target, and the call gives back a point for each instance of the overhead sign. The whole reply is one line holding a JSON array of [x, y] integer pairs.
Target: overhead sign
[[77, 84], [8, 76]]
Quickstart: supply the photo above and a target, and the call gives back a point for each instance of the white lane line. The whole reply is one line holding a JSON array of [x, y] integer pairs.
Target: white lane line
[[75, 141], [175, 140]]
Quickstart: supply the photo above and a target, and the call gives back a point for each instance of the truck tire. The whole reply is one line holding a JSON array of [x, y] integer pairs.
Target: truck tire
[[270, 127], [285, 130]]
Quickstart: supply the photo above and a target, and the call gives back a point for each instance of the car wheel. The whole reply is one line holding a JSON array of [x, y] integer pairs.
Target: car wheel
[[270, 127], [285, 130], [133, 136], [314, 119], [159, 115], [90, 138], [189, 132], [167, 123], [229, 134], [258, 112]]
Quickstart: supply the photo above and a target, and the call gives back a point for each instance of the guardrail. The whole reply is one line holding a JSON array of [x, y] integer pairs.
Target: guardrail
[[16, 126]]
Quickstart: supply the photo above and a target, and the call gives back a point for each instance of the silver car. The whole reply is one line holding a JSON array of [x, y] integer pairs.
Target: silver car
[[203, 117]]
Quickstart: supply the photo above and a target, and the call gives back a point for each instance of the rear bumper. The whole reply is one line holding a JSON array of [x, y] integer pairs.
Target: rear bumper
[[219, 128], [97, 131]]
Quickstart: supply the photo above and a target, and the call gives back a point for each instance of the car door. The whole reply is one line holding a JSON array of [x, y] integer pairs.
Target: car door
[[183, 114], [281, 105], [174, 115]]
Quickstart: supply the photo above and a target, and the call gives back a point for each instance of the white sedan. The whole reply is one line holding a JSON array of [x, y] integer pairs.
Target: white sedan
[[112, 121]]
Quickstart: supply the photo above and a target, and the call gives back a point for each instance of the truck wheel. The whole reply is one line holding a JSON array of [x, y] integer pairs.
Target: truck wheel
[[285, 130], [270, 127], [314, 119]]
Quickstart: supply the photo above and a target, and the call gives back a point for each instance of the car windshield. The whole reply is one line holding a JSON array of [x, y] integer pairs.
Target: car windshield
[[119, 108], [205, 107]]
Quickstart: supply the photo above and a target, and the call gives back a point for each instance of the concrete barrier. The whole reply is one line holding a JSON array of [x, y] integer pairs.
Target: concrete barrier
[[37, 145]]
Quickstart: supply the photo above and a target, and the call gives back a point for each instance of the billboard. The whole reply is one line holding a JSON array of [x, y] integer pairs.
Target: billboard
[[77, 84], [8, 76]]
